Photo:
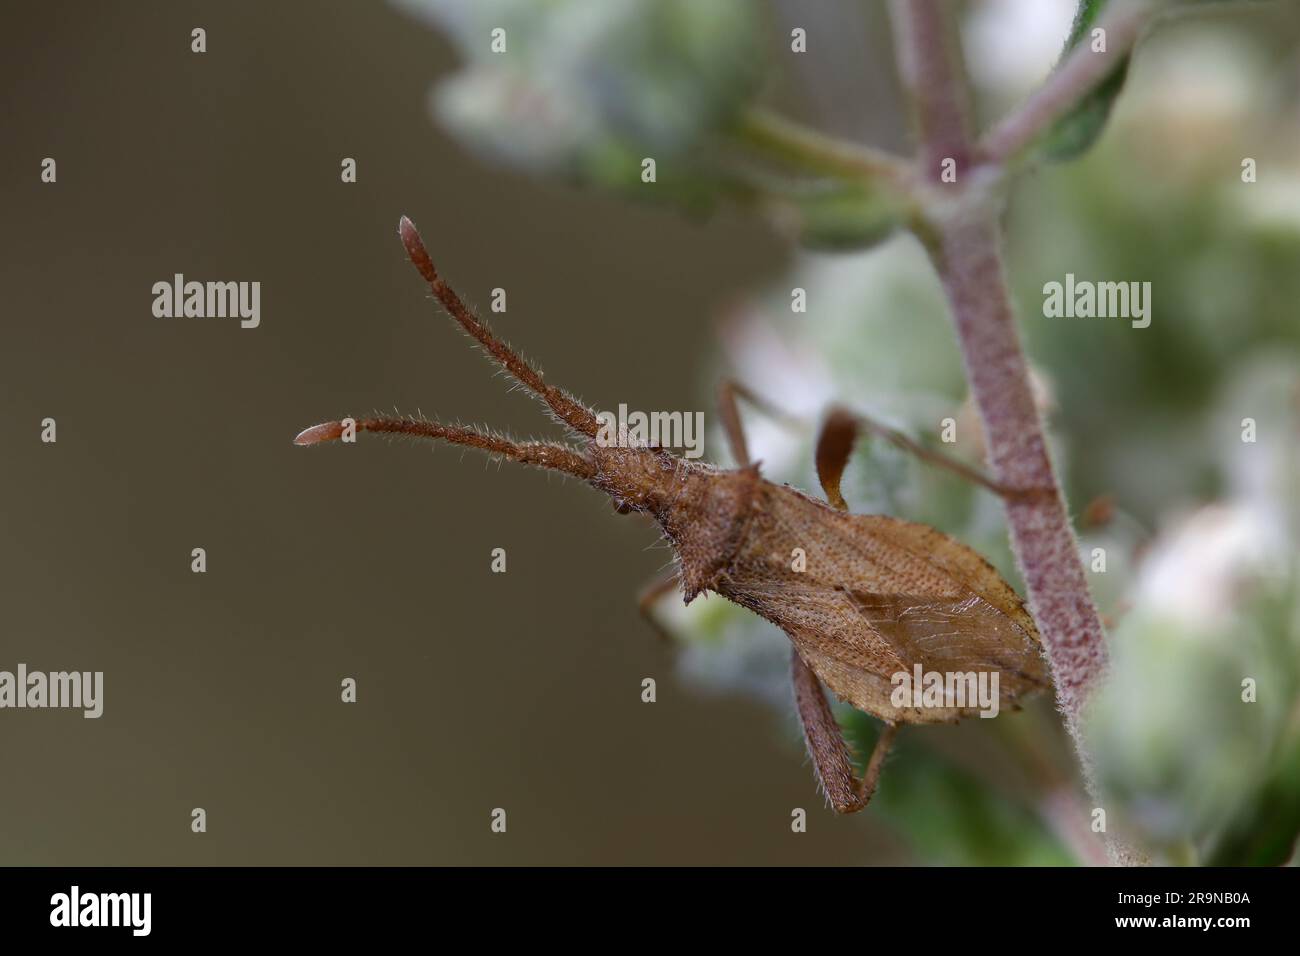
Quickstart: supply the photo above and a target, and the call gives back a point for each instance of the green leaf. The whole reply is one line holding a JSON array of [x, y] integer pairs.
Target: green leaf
[[1074, 133], [1265, 833]]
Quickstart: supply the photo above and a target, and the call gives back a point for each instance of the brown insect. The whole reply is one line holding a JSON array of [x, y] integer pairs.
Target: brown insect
[[876, 596]]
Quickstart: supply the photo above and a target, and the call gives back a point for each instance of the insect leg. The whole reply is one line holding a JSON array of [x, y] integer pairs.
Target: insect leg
[[842, 426], [827, 747], [834, 446], [649, 596], [729, 390], [835, 443]]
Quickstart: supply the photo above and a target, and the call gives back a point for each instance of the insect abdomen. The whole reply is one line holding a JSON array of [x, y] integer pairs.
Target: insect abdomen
[[865, 598]]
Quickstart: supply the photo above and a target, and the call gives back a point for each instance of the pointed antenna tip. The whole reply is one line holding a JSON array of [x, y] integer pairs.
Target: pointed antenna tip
[[326, 431], [415, 249]]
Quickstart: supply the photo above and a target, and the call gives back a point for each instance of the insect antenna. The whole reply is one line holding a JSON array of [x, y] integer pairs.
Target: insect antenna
[[541, 454], [567, 408]]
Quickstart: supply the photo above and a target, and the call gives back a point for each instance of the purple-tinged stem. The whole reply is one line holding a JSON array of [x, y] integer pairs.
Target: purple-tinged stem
[[963, 235], [1076, 76]]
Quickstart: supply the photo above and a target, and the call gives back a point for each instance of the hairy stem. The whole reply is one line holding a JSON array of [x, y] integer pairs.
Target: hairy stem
[[929, 65], [1075, 77], [969, 262], [963, 236]]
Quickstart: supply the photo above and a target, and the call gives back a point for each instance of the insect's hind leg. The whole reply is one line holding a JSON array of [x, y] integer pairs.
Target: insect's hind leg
[[826, 745], [835, 445], [835, 441]]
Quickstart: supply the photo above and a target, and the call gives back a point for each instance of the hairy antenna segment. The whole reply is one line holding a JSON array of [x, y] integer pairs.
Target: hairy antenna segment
[[572, 412], [541, 454]]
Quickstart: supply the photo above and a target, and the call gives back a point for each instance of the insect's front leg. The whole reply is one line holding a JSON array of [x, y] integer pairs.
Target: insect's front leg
[[650, 595], [826, 745], [729, 393]]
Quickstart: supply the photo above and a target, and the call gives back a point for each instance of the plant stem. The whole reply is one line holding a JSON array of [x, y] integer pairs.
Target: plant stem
[[963, 237], [806, 148], [967, 256], [929, 65], [1075, 77]]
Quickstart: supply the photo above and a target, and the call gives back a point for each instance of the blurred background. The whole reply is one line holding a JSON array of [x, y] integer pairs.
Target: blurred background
[[523, 690]]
